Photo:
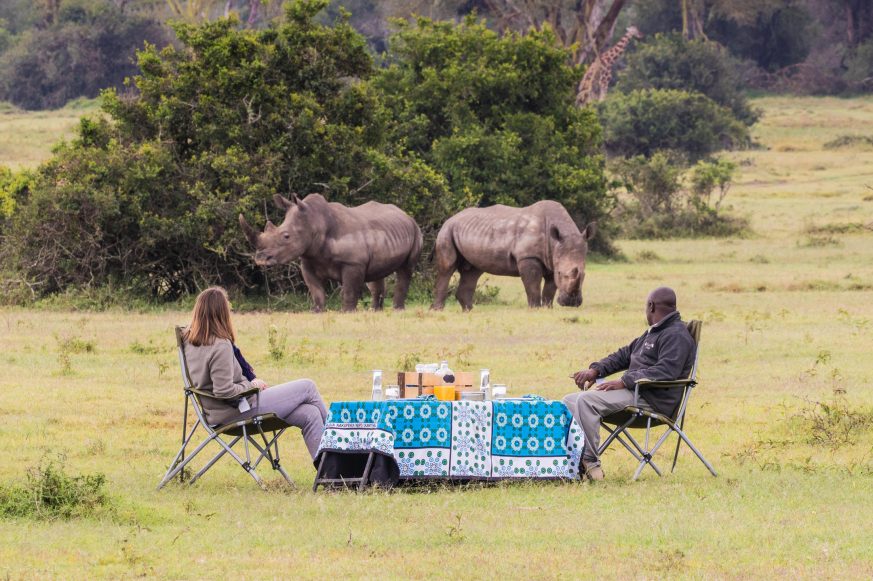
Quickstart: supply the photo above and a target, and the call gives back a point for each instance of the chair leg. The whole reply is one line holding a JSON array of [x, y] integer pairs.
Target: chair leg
[[170, 475], [676, 454], [678, 443], [215, 459], [645, 457], [612, 435], [180, 456], [696, 451], [266, 452]]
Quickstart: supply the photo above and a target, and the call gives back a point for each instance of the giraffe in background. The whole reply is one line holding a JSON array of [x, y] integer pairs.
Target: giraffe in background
[[595, 83]]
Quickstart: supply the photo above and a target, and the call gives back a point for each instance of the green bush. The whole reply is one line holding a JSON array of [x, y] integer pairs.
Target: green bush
[[149, 201], [665, 200], [645, 121], [146, 201], [91, 46], [50, 493], [773, 35], [860, 66], [13, 188], [669, 61], [493, 114]]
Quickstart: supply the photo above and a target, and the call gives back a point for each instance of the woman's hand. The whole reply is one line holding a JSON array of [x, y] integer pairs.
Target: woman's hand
[[260, 384]]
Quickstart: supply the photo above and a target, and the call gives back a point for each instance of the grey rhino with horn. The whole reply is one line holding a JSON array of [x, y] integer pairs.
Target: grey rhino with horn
[[354, 246], [539, 243]]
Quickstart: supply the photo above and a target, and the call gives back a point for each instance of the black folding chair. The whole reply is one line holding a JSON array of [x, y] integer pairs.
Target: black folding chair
[[634, 417], [246, 430]]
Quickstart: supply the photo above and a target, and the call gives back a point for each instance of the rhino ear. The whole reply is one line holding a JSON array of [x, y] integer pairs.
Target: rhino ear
[[590, 231], [555, 234], [284, 203]]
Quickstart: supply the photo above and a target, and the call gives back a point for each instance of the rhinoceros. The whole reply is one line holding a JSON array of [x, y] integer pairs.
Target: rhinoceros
[[354, 246], [539, 242]]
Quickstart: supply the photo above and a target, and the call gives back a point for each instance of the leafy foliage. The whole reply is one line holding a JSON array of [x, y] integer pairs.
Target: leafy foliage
[[668, 61], [147, 200], [773, 34], [215, 128], [89, 47], [663, 204], [50, 493], [645, 121], [860, 66], [494, 115]]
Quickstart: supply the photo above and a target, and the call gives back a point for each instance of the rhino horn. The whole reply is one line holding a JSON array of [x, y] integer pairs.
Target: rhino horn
[[270, 226], [284, 203], [250, 232]]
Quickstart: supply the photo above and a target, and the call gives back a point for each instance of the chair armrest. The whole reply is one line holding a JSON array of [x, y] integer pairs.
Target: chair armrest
[[245, 393], [649, 384]]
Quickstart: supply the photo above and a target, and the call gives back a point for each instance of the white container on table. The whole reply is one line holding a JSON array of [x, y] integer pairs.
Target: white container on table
[[377, 385]]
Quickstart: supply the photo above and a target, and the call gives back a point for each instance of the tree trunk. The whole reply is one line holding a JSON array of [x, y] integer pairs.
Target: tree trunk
[[692, 19], [602, 33]]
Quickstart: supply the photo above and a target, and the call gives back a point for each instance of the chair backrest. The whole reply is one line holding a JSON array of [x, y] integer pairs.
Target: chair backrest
[[694, 327], [183, 361]]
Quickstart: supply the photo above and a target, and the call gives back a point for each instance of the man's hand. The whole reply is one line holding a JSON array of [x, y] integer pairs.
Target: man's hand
[[262, 385], [585, 378], [610, 385]]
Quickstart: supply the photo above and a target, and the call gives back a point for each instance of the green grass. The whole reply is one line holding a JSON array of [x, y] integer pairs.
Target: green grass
[[788, 322], [27, 137]]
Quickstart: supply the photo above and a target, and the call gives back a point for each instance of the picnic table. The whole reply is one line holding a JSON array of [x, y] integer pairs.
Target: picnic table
[[412, 439]]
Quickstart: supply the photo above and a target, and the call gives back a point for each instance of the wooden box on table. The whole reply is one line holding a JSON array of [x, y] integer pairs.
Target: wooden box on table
[[413, 384]]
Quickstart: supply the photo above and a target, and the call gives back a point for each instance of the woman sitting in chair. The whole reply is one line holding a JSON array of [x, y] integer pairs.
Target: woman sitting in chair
[[216, 366]]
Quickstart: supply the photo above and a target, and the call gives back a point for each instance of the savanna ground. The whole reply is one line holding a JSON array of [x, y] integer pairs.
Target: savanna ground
[[788, 314]]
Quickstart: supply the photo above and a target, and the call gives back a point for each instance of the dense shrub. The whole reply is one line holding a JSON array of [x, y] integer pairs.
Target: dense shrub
[[91, 46], [666, 201], [774, 36], [860, 66], [668, 61], [494, 115], [13, 188], [49, 493], [148, 200], [645, 121], [216, 128]]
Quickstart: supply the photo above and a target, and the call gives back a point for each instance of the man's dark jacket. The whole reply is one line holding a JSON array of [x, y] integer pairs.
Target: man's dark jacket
[[664, 352]]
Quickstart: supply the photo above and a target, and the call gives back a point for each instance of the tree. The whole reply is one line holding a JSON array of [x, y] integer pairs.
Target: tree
[[583, 26], [494, 114], [215, 127], [86, 47], [668, 61], [643, 122]]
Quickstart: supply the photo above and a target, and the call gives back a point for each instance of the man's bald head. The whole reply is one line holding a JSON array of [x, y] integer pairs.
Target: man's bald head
[[660, 303]]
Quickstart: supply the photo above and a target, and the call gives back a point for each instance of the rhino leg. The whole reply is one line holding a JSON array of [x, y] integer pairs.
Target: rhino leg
[[531, 271], [377, 291], [353, 287], [549, 290], [315, 286], [447, 262], [467, 286], [401, 287]]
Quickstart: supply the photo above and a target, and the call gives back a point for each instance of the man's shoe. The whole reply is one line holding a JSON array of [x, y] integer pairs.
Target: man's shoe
[[593, 472]]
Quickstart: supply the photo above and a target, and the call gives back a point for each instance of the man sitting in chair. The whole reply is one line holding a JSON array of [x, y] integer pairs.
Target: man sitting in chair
[[665, 352]]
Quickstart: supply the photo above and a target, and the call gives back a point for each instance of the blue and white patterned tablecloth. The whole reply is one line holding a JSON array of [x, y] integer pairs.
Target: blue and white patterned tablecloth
[[510, 438]]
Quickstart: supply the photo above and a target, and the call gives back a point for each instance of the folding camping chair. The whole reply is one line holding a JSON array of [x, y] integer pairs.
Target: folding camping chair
[[636, 417], [245, 430]]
